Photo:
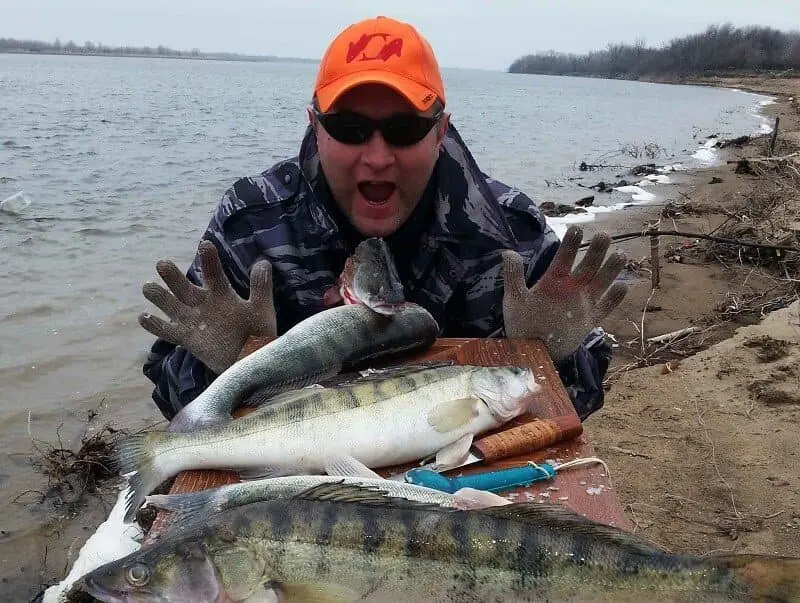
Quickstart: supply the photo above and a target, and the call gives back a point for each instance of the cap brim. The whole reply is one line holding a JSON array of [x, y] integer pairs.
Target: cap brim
[[418, 95]]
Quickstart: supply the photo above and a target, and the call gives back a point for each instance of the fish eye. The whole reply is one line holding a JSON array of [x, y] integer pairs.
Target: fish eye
[[138, 575]]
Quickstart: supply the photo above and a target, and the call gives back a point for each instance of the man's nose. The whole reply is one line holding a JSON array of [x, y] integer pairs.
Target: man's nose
[[377, 154]]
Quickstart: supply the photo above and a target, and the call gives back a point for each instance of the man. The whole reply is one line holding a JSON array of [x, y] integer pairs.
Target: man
[[380, 158]]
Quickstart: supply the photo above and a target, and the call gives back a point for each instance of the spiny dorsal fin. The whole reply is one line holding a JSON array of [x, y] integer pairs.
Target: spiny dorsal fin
[[537, 515], [258, 400], [561, 517], [381, 374], [339, 491]]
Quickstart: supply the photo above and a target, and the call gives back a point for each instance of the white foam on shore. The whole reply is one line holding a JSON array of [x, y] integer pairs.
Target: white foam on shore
[[707, 153], [561, 223], [766, 125], [675, 167], [637, 193], [706, 156]]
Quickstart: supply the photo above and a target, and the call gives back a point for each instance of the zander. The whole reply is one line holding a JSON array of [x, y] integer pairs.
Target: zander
[[375, 322], [384, 418], [212, 500], [342, 543]]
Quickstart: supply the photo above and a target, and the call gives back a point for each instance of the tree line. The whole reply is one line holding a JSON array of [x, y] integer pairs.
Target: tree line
[[718, 50], [97, 48]]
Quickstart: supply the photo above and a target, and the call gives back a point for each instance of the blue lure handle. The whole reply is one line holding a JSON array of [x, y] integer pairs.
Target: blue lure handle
[[491, 481]]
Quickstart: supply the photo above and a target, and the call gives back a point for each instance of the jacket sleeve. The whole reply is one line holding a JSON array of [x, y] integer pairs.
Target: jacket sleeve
[[178, 375]]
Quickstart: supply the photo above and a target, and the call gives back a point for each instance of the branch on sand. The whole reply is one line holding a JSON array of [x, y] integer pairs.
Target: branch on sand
[[700, 235]]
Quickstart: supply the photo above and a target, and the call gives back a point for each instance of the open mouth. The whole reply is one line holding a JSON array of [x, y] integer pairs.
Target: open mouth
[[376, 192], [387, 308], [97, 591], [379, 306]]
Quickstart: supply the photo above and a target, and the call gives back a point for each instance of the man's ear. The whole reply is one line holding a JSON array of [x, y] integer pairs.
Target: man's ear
[[312, 119]]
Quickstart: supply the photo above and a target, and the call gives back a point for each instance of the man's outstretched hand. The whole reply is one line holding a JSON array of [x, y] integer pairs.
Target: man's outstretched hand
[[212, 322], [565, 304]]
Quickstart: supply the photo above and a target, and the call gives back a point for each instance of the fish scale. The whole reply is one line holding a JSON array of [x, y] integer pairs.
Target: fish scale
[[312, 402], [320, 347], [341, 543]]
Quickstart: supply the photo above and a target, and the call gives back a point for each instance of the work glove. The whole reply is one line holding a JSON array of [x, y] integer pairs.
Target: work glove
[[212, 322], [565, 304]]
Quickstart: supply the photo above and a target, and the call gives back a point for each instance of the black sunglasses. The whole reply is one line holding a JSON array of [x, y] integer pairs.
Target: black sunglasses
[[399, 130]]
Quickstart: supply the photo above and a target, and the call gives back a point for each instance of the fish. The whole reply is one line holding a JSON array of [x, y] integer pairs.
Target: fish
[[383, 418], [184, 506], [343, 543], [376, 322], [370, 277]]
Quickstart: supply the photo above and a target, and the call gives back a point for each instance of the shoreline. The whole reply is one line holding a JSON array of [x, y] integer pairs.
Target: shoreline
[[679, 177], [201, 57], [714, 185]]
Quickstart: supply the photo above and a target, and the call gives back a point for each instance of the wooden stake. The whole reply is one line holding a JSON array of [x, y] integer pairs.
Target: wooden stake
[[774, 138], [654, 261]]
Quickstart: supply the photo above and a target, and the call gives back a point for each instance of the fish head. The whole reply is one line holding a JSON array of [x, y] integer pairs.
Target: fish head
[[370, 277], [506, 390], [157, 574]]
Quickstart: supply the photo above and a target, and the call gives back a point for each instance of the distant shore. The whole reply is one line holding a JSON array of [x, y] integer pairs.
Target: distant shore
[[185, 56]]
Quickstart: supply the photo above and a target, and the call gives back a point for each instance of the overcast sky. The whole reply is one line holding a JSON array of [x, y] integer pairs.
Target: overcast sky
[[487, 34]]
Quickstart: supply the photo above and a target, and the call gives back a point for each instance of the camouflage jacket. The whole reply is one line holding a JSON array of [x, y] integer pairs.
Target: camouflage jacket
[[454, 272]]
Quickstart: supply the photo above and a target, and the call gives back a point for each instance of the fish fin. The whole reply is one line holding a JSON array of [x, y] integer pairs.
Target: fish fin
[[349, 466], [285, 392], [452, 414], [182, 506], [543, 515], [452, 455], [359, 493], [266, 472], [134, 459], [470, 498], [191, 418], [763, 577], [313, 592], [379, 374], [288, 390], [257, 402]]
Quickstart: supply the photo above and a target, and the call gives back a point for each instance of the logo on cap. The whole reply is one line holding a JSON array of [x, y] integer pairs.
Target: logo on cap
[[388, 48]]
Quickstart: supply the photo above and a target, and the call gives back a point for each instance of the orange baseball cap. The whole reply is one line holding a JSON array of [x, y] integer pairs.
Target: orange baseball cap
[[383, 51]]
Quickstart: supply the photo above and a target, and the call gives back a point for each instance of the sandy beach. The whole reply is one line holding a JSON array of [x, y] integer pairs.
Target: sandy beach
[[700, 433]]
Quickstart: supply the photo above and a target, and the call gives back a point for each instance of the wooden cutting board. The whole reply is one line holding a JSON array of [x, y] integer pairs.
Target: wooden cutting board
[[587, 490]]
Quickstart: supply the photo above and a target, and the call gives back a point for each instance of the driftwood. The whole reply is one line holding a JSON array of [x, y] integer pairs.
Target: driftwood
[[698, 235], [673, 335], [760, 165]]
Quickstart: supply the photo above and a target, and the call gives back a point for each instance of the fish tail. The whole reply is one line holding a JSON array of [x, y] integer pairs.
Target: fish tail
[[135, 459], [764, 577], [181, 506]]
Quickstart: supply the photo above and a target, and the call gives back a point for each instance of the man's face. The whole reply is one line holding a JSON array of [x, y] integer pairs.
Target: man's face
[[377, 185]]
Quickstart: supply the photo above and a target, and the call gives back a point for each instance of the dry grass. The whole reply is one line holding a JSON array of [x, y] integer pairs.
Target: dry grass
[[74, 473]]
